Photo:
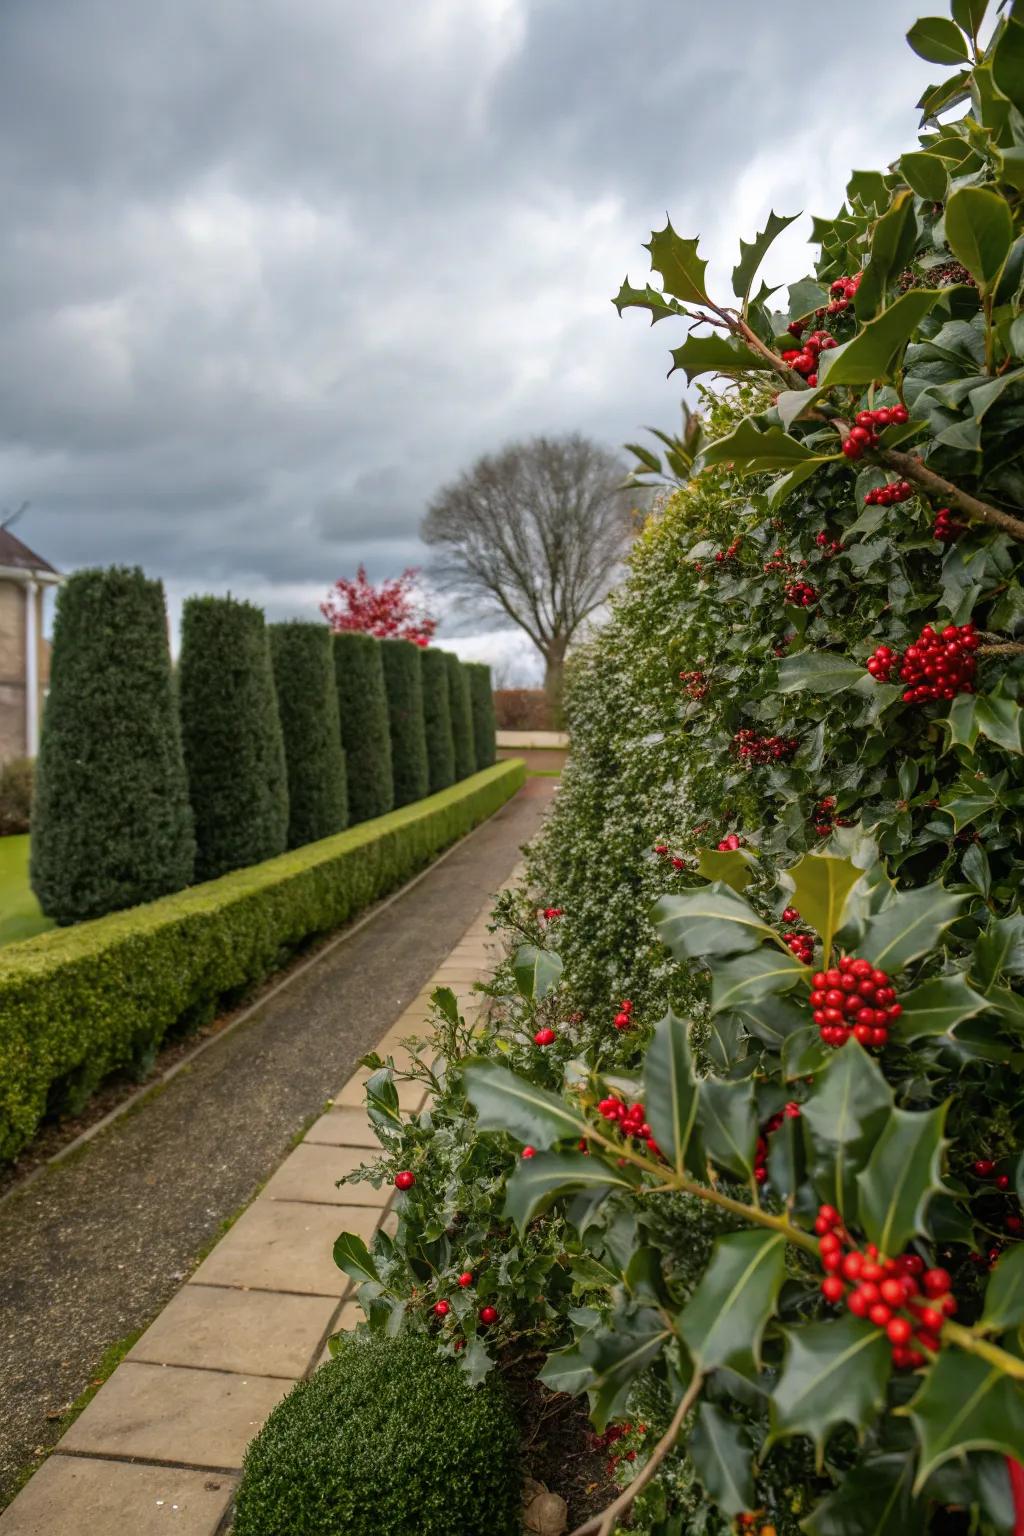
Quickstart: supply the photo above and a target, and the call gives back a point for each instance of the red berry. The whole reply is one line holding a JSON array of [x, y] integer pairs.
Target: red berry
[[544, 1037], [984, 1168], [899, 1330], [832, 1288], [879, 1314], [529, 1152], [488, 1315], [936, 1282], [405, 1179], [441, 1309], [622, 1021], [465, 1279]]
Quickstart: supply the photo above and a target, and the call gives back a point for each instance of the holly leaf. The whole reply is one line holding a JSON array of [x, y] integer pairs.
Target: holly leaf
[[746, 978], [731, 866], [715, 354], [1000, 949], [874, 351], [1001, 720], [902, 1174], [964, 1405], [772, 1019], [750, 450], [821, 884], [938, 40], [538, 1181], [567, 1370], [842, 1119], [671, 1091], [753, 252], [979, 232], [475, 1362], [713, 920], [787, 1161], [537, 971], [354, 1258], [646, 298], [605, 1364], [721, 1452], [966, 801], [1008, 61], [817, 672], [1004, 1298], [833, 1373], [728, 1124], [505, 1102], [936, 1007], [725, 1318], [926, 175], [960, 722], [893, 243], [676, 260], [875, 1498], [909, 926]]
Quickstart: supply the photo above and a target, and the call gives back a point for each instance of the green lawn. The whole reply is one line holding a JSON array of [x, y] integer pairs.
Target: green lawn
[[20, 916]]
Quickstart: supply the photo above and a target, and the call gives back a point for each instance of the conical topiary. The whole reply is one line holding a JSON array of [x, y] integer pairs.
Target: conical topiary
[[485, 726], [365, 732], [307, 701], [462, 717], [111, 822], [404, 680], [231, 735], [437, 716]]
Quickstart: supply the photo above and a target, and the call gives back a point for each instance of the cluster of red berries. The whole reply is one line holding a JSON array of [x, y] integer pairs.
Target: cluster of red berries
[[936, 666], [758, 750], [910, 1302], [854, 999], [801, 944], [624, 1017], [790, 1112], [843, 291], [545, 1037], [985, 1169], [663, 851], [550, 913], [889, 495], [828, 545], [630, 1120], [824, 819], [946, 528], [613, 1435], [730, 844], [750, 1522], [781, 562], [804, 359], [864, 432], [695, 683], [801, 594], [728, 554]]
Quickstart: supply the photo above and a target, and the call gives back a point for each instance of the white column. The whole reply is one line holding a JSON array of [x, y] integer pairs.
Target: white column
[[31, 671]]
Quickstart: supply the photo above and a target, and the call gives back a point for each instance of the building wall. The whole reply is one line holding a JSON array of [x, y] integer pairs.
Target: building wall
[[12, 666]]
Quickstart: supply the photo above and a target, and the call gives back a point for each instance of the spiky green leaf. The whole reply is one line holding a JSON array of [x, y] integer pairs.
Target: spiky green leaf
[[713, 920], [538, 1181], [965, 1404], [671, 1090], [721, 1451], [833, 1373], [724, 1320], [902, 1174], [843, 1117], [506, 1102]]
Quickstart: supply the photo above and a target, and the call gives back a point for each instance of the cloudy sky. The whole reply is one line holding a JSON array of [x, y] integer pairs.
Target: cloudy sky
[[271, 271]]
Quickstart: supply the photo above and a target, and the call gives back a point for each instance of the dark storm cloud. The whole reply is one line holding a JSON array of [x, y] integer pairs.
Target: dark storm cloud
[[270, 272]]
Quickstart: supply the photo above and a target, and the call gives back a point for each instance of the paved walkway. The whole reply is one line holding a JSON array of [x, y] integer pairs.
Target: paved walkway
[[160, 1445]]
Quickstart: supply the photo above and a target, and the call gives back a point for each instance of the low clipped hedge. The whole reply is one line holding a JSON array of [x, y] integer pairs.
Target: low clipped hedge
[[388, 1438], [77, 1003]]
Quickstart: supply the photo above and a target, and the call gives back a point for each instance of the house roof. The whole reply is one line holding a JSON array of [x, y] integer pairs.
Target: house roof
[[17, 556]]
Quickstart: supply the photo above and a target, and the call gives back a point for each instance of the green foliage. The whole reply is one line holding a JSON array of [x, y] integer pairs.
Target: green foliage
[[231, 736], [307, 701], [461, 705], [385, 1439], [403, 679], [111, 823], [365, 732], [485, 726], [437, 719], [66, 1016], [16, 776]]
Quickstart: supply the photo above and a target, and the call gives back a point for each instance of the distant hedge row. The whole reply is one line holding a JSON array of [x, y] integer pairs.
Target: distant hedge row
[[265, 739], [77, 1003]]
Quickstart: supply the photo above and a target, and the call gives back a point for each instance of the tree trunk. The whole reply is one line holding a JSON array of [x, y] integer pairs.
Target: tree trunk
[[554, 670]]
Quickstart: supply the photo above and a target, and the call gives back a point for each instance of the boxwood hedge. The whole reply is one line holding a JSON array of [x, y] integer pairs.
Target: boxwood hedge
[[79, 1002]]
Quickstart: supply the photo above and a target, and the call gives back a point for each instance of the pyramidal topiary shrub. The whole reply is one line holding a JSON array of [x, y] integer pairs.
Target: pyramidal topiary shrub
[[437, 718], [461, 708], [387, 1439], [231, 735], [403, 678], [485, 726], [307, 701], [111, 823], [365, 731]]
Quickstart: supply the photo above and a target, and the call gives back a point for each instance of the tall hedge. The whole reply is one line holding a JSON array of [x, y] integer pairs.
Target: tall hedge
[[485, 726], [403, 678], [111, 823], [231, 736], [365, 732], [307, 701], [437, 716], [462, 716]]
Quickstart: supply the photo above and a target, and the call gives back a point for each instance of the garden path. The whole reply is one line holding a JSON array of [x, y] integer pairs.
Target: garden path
[[91, 1251]]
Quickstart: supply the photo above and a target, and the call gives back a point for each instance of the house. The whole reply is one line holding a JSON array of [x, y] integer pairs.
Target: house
[[24, 652]]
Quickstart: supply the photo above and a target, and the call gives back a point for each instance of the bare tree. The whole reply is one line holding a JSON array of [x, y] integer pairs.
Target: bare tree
[[536, 533]]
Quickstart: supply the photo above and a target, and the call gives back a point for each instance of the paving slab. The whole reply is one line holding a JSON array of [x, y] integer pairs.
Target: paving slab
[[279, 1246], [223, 1329], [312, 1172], [83, 1496], [344, 1128], [352, 1094], [171, 1413]]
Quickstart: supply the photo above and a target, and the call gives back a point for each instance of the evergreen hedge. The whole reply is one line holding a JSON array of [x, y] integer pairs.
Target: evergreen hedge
[[67, 1017], [386, 1439], [307, 700], [365, 732], [462, 716], [437, 716], [404, 681], [485, 726], [231, 735], [111, 823]]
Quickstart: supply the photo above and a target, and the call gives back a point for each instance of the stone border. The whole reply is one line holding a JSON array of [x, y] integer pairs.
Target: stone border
[[160, 1446]]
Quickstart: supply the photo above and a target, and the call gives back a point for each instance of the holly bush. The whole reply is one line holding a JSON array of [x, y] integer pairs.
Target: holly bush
[[779, 984]]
